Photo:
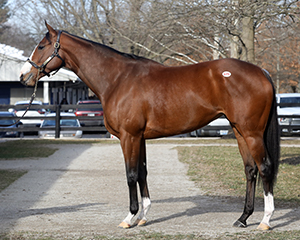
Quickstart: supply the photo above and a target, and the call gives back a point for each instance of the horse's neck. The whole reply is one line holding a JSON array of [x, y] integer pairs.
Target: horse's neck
[[94, 65]]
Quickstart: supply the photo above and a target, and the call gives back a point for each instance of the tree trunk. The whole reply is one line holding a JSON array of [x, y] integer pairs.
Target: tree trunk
[[247, 37], [234, 47]]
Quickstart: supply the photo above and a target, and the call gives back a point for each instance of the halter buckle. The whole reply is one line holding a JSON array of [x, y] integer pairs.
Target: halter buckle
[[56, 45]]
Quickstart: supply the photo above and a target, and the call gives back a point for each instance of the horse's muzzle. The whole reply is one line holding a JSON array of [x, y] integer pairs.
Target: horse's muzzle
[[27, 81]]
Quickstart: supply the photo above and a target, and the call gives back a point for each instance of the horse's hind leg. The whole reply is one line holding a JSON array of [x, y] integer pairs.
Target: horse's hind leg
[[257, 148], [251, 174], [268, 195], [255, 143], [142, 180]]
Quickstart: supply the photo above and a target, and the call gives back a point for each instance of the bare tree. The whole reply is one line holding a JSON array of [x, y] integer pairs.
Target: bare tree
[[4, 15], [169, 31], [236, 22]]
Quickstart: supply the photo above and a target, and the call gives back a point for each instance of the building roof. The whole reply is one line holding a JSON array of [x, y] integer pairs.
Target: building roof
[[12, 52]]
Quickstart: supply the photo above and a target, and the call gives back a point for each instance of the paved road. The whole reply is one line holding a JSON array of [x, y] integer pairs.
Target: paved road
[[81, 190]]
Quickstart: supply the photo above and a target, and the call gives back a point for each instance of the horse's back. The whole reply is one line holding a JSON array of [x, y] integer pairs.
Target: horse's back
[[210, 85]]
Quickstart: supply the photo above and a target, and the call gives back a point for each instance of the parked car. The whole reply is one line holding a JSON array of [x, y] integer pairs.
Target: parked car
[[64, 124], [10, 123], [36, 110], [216, 128], [91, 112], [290, 121]]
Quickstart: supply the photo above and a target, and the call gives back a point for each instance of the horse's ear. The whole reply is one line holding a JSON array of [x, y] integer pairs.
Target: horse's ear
[[50, 29]]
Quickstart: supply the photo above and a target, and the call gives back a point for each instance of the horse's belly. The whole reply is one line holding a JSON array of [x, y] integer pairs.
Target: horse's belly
[[176, 124]]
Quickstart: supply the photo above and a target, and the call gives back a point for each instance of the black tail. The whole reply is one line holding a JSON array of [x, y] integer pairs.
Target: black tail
[[272, 137]]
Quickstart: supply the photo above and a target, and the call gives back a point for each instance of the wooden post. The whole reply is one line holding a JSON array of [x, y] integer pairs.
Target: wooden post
[[57, 121]]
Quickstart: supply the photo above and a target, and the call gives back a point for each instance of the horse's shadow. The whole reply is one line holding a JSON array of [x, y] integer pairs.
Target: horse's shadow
[[56, 210], [291, 160], [223, 204], [203, 204]]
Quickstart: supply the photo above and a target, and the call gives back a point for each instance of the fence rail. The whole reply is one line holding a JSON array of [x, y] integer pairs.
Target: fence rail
[[71, 108]]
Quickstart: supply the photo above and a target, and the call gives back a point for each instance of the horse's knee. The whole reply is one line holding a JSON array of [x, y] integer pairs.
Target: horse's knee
[[132, 177]]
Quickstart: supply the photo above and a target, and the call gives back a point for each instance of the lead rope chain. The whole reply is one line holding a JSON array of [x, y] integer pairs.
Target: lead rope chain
[[30, 102]]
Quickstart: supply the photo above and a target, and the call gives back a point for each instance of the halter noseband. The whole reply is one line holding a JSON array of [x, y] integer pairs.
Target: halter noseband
[[42, 67]]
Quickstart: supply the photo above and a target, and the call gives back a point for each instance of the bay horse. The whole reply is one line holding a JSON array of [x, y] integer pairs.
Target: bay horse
[[143, 99]]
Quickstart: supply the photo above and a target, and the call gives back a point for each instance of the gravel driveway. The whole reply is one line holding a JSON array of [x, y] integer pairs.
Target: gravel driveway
[[81, 190]]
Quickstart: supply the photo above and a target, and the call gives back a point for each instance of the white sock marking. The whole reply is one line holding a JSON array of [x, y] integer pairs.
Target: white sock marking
[[128, 218], [269, 208], [146, 204]]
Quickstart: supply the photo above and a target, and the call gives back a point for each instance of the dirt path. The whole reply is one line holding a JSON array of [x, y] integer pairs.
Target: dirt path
[[81, 190]]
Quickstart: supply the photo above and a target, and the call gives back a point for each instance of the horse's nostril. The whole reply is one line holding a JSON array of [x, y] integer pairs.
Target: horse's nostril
[[22, 79]]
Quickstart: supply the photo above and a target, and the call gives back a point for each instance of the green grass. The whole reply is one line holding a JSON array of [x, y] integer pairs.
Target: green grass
[[215, 169], [7, 177], [220, 171], [24, 149]]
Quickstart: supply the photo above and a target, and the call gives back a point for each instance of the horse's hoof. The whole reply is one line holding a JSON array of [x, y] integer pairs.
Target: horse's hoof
[[124, 225], [263, 227], [239, 224], [140, 222]]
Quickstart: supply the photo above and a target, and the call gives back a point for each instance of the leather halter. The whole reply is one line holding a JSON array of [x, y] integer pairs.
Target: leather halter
[[42, 67]]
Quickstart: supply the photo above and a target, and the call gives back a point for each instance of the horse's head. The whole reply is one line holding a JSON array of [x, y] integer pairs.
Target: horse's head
[[44, 59]]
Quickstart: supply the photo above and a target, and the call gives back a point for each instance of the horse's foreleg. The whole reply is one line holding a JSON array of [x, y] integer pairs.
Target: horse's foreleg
[[142, 180], [131, 151], [251, 174]]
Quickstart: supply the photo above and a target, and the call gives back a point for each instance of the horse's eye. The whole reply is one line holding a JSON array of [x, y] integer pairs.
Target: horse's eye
[[40, 47]]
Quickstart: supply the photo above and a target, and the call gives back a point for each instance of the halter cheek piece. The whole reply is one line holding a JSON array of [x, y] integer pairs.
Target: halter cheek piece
[[42, 67]]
